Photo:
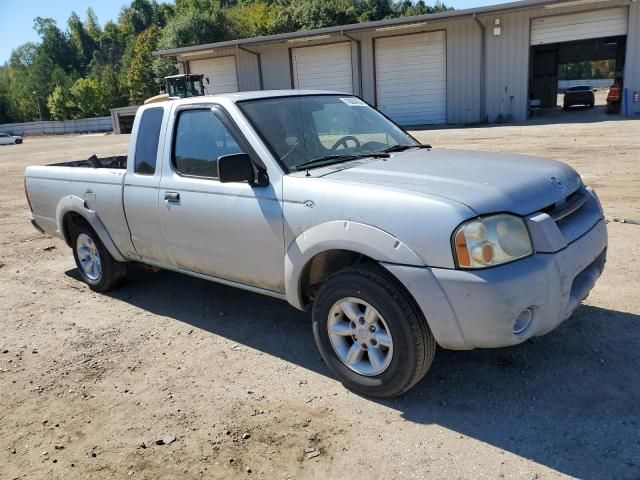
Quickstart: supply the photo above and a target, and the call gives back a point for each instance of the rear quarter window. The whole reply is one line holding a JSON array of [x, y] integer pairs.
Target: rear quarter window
[[147, 141]]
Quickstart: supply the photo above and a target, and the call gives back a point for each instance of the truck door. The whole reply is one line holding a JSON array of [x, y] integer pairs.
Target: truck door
[[232, 231], [140, 196]]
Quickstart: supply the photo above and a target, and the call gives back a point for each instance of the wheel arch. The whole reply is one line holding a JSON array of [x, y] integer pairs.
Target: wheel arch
[[72, 209], [328, 247]]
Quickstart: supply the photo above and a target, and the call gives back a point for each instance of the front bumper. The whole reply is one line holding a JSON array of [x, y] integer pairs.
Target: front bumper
[[36, 226], [478, 309]]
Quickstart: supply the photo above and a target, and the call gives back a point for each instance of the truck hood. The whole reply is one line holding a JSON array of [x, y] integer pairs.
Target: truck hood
[[484, 181]]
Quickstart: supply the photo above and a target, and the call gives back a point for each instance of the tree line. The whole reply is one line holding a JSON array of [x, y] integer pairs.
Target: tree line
[[587, 70], [85, 69]]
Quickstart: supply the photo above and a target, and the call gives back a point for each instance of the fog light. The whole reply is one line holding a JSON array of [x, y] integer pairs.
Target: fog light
[[523, 321]]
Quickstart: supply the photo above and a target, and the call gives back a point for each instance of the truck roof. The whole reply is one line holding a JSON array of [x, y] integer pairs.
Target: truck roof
[[254, 95]]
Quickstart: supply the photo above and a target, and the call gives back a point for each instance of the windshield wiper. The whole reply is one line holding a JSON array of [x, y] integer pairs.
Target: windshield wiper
[[331, 159], [402, 148]]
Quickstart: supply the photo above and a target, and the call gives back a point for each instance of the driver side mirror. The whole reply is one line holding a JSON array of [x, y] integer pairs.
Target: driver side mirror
[[237, 167]]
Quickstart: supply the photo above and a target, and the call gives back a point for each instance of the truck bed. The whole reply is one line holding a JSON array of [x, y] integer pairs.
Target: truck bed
[[98, 182], [117, 161]]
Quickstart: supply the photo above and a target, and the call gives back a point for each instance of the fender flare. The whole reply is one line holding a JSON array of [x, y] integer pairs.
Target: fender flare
[[72, 203], [341, 235]]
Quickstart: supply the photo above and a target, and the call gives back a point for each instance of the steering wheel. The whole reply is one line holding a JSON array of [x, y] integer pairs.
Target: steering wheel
[[343, 141]]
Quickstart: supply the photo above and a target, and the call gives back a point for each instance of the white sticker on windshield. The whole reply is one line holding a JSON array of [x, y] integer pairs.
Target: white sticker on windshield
[[353, 102]]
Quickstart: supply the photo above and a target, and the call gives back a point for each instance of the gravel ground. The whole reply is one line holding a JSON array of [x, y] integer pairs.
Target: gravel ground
[[90, 383]]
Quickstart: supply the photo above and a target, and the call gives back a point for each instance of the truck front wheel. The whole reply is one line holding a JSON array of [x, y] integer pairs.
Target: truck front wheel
[[97, 267], [370, 332]]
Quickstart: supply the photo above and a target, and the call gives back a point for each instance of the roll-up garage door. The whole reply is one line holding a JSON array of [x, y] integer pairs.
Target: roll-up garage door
[[323, 67], [411, 77], [609, 22], [220, 71]]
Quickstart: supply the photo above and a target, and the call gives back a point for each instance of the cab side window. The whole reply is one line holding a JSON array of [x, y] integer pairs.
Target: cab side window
[[200, 139], [147, 141]]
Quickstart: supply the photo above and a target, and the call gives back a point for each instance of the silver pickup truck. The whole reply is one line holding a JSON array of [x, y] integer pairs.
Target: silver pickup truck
[[317, 198]]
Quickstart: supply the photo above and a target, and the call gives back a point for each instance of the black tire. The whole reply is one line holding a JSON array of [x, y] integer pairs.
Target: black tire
[[18, 141], [112, 273], [413, 343]]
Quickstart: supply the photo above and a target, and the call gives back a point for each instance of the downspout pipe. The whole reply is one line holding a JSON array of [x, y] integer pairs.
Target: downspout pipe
[[483, 69], [259, 59], [359, 55]]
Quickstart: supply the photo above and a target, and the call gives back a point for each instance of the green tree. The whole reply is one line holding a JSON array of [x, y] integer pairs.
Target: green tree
[[116, 65], [26, 76], [6, 114], [253, 19], [54, 45], [376, 10], [310, 14], [111, 89], [407, 8], [195, 27], [83, 43], [92, 26], [184, 7], [141, 15], [141, 81], [111, 47], [87, 98], [60, 104]]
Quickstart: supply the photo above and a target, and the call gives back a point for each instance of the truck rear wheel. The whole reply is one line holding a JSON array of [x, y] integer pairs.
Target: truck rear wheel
[[97, 267], [370, 332]]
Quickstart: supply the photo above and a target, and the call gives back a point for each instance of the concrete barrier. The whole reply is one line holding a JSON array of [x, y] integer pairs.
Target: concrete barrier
[[83, 125]]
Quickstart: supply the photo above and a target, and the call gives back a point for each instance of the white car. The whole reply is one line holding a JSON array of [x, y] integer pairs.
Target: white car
[[6, 139]]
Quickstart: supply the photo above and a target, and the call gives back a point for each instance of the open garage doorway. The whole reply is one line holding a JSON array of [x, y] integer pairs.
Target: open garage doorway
[[574, 60]]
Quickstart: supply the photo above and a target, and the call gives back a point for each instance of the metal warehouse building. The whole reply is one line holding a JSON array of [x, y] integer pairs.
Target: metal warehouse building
[[455, 67]]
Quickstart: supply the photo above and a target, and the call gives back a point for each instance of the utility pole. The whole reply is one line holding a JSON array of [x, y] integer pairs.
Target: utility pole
[[35, 94]]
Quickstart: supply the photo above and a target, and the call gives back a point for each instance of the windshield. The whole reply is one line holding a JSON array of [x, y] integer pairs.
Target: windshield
[[302, 129]]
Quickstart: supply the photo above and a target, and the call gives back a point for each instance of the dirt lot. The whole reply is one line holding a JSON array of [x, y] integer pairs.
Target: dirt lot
[[89, 382]]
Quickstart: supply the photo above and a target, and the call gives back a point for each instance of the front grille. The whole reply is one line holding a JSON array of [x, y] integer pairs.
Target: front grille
[[568, 206], [575, 215]]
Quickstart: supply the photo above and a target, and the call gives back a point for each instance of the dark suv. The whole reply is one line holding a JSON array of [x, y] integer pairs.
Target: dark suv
[[579, 95]]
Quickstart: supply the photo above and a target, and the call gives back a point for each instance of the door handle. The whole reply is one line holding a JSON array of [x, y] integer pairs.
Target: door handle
[[172, 198]]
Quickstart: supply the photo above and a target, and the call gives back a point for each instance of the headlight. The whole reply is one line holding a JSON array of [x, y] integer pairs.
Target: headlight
[[488, 241]]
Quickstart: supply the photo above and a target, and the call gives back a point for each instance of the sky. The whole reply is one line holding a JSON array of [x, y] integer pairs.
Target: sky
[[16, 19]]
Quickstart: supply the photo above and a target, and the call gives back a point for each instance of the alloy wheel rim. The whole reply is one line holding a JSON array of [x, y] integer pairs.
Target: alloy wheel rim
[[360, 336], [88, 256]]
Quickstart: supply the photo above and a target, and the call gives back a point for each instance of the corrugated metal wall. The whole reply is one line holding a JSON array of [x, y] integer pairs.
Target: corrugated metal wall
[[507, 66], [248, 74], [276, 71], [246, 66], [632, 63], [463, 66], [579, 26], [276, 68], [464, 48], [464, 72], [506, 61]]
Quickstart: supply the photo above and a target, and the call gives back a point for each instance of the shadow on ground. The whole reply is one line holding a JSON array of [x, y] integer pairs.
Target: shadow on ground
[[569, 400]]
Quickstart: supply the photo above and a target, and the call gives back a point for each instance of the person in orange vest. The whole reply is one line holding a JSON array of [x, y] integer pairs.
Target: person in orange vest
[[614, 96]]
